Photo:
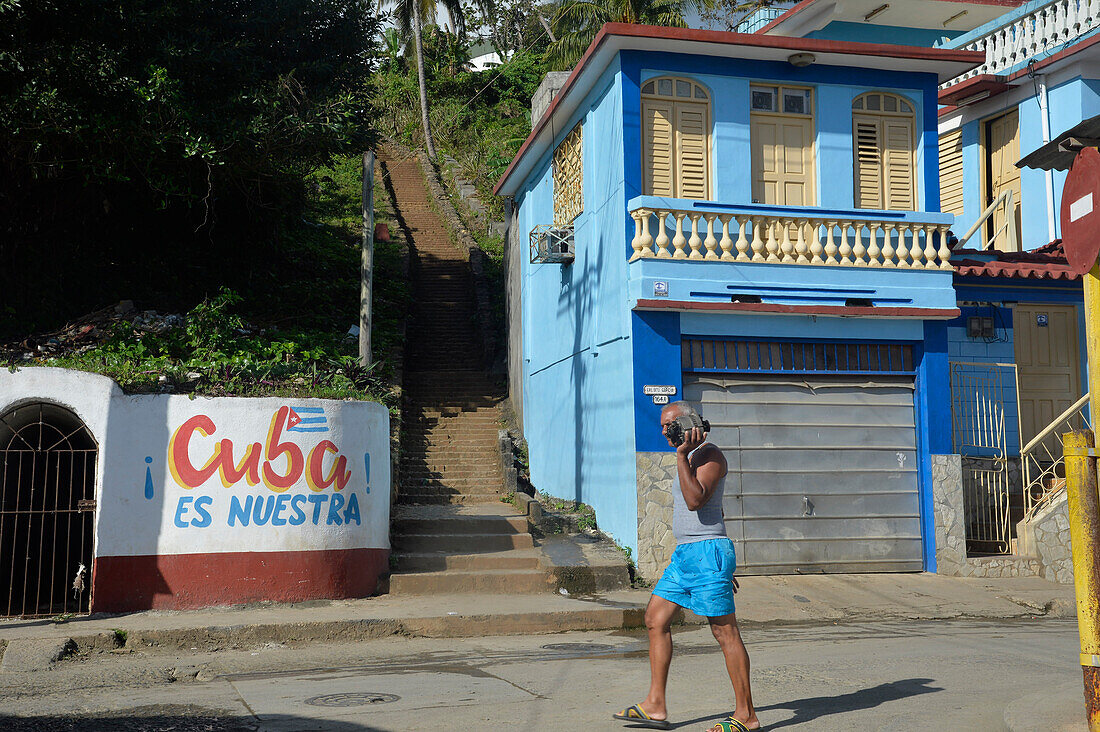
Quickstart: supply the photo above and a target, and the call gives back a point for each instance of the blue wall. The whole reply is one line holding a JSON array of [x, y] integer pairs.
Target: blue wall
[[577, 351], [1070, 102], [835, 88], [842, 30]]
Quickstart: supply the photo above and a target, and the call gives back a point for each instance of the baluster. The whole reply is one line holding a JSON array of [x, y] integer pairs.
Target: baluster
[[888, 250], [696, 241], [830, 245], [787, 247], [647, 237], [758, 243], [903, 248], [636, 242], [773, 243], [929, 246], [873, 250], [742, 241], [726, 243], [815, 242], [845, 247], [662, 236], [711, 243], [858, 250], [679, 240], [945, 251], [916, 251], [801, 249]]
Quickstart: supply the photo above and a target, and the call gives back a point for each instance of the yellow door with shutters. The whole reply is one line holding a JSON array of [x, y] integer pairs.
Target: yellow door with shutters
[[783, 160], [1002, 141], [675, 139], [1048, 363]]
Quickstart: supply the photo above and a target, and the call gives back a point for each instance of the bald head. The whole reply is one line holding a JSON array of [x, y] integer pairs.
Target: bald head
[[677, 409]]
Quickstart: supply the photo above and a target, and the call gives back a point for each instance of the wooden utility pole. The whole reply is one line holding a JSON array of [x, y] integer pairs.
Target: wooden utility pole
[[366, 270]]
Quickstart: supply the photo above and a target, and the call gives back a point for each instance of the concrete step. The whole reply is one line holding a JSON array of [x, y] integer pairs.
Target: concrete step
[[461, 543], [480, 525], [440, 561], [409, 497], [480, 581]]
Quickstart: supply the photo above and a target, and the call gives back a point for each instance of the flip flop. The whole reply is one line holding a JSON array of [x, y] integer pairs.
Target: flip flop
[[634, 713], [729, 724]]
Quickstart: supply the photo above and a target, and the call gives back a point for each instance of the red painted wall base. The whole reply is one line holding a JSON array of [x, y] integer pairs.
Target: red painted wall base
[[191, 581]]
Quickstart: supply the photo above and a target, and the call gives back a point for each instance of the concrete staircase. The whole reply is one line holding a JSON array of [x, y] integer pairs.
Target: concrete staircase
[[451, 533]]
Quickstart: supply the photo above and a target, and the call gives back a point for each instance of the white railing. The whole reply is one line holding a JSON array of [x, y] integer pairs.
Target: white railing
[[850, 241], [1044, 474], [1042, 30]]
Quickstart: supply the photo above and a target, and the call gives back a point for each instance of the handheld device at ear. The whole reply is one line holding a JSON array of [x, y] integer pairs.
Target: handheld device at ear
[[683, 423]]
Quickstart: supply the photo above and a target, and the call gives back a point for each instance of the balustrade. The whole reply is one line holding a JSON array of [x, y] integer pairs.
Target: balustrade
[[1042, 30], [809, 240]]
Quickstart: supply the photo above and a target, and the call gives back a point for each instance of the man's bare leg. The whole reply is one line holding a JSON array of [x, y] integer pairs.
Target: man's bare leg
[[728, 636], [658, 622]]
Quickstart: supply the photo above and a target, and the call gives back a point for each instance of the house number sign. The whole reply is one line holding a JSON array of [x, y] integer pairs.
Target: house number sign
[[658, 390]]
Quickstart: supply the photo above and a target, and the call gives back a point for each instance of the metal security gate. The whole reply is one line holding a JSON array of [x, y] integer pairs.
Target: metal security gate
[[978, 393], [47, 511], [823, 463]]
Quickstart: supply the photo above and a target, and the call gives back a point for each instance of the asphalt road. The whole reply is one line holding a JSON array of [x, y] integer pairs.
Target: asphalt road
[[961, 675]]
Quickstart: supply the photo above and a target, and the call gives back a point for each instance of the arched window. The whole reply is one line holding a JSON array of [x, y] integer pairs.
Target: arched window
[[883, 143], [675, 138]]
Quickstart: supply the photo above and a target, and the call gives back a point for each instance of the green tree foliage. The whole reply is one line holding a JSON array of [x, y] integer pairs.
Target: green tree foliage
[[479, 117], [158, 146], [577, 21]]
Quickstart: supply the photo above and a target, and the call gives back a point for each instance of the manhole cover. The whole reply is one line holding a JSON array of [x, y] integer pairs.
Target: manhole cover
[[577, 647], [351, 699]]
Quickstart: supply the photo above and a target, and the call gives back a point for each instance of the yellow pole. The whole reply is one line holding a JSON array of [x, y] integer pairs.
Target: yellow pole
[[1084, 511]]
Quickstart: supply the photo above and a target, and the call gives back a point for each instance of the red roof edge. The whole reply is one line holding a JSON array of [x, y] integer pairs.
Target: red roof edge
[[632, 30], [790, 13], [1048, 262]]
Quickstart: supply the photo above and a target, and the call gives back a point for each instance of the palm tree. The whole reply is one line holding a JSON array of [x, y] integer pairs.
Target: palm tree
[[409, 17], [577, 22]]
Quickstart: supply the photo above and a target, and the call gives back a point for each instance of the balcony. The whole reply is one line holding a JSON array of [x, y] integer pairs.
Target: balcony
[[700, 231], [1030, 31]]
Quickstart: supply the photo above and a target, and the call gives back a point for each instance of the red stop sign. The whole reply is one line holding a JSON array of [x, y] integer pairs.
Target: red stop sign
[[1080, 214]]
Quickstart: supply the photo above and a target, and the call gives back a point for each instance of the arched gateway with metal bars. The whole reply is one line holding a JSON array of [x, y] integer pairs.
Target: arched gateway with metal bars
[[47, 511]]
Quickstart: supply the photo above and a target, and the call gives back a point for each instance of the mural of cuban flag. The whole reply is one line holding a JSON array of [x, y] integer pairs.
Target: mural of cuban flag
[[306, 419]]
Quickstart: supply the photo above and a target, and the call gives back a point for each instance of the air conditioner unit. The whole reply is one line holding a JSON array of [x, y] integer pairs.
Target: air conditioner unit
[[552, 244]]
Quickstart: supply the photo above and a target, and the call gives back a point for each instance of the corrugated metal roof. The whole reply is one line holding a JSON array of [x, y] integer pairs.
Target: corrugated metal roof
[[1058, 154], [1046, 262]]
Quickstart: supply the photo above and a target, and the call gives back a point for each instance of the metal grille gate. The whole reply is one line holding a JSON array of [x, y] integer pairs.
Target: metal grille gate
[[47, 510], [978, 418]]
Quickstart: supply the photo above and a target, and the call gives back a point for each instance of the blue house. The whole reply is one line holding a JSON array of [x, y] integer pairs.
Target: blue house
[[752, 223], [1008, 132]]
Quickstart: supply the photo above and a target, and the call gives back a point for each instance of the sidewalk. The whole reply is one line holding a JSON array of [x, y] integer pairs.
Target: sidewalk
[[762, 601]]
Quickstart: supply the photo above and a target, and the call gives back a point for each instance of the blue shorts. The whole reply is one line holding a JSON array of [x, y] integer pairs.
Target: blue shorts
[[700, 577]]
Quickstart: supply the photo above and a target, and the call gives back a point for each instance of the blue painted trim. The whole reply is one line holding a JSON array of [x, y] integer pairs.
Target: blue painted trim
[[861, 214], [656, 361], [843, 30], [981, 289], [933, 407]]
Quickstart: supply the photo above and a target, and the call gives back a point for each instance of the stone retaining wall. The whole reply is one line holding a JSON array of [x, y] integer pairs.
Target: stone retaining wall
[[655, 541]]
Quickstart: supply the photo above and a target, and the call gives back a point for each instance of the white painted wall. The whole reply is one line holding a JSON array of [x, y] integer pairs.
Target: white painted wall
[[149, 506]]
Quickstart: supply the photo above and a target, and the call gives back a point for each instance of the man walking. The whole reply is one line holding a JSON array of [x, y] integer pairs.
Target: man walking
[[699, 577]]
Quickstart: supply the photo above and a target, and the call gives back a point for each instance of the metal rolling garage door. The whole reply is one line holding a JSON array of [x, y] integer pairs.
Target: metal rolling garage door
[[823, 469]]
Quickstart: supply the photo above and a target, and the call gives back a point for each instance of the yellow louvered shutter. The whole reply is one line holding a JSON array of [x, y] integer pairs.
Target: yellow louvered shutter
[[691, 152], [897, 160], [869, 173], [657, 142], [951, 173]]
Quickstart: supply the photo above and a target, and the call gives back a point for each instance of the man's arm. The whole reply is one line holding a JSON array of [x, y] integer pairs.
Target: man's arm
[[697, 482]]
